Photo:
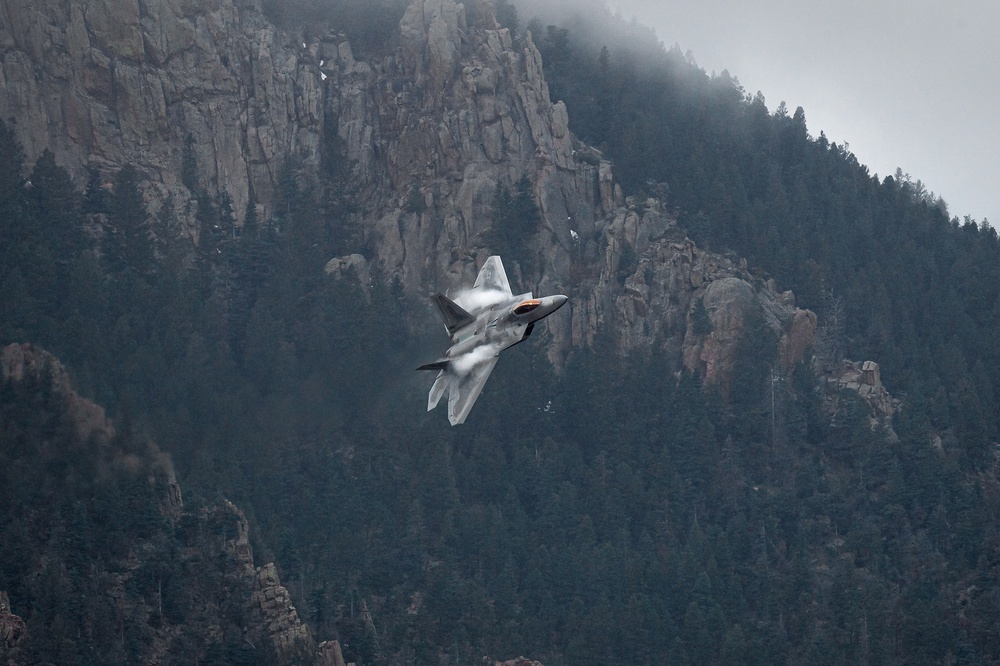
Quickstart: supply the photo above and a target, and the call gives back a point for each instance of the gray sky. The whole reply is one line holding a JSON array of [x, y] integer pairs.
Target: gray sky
[[906, 83]]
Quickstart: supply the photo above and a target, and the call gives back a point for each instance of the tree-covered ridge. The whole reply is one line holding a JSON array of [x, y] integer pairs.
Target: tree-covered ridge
[[98, 557], [614, 511], [915, 290]]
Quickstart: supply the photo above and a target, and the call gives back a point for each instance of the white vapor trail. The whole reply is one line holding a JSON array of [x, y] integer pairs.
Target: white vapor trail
[[464, 364], [474, 300]]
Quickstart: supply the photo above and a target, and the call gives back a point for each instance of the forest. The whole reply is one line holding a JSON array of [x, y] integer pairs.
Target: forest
[[610, 512]]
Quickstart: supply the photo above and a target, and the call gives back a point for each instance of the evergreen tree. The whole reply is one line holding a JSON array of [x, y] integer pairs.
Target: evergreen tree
[[11, 178], [515, 219], [127, 244]]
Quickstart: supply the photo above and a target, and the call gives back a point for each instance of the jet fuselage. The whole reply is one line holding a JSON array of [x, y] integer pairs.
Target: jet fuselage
[[494, 320], [502, 324]]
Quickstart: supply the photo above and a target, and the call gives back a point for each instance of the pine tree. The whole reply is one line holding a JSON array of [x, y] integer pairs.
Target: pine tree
[[11, 180], [127, 244]]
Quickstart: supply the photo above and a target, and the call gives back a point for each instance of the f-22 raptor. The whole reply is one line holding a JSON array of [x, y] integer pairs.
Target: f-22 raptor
[[491, 320]]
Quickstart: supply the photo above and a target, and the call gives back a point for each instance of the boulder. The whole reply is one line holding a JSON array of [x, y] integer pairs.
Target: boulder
[[863, 379], [350, 266]]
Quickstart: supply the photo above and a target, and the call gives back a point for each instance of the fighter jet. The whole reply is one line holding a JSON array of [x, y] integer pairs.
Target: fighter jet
[[485, 321]]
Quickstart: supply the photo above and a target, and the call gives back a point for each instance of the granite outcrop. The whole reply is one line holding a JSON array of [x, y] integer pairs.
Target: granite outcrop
[[430, 129], [157, 83]]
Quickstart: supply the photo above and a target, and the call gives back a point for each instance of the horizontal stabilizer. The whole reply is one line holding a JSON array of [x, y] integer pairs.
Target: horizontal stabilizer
[[440, 364], [440, 384], [455, 318]]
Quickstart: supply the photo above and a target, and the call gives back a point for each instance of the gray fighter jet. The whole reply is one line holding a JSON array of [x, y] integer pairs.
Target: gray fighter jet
[[481, 322]]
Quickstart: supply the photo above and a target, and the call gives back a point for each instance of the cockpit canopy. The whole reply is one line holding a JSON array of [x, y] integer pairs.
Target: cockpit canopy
[[524, 307]]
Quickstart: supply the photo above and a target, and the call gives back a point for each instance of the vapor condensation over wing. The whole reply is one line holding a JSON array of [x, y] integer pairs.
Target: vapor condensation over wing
[[463, 365], [474, 300]]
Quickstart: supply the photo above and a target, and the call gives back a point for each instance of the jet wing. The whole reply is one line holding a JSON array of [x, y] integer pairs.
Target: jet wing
[[493, 277], [464, 391]]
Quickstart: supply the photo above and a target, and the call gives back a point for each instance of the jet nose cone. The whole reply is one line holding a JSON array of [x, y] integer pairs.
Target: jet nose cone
[[558, 301]]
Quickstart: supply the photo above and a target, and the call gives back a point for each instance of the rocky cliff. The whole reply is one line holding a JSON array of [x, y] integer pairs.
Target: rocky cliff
[[102, 84], [470, 111], [456, 109], [12, 630]]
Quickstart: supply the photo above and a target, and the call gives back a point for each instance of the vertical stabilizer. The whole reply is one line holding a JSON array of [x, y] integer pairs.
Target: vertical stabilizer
[[455, 318]]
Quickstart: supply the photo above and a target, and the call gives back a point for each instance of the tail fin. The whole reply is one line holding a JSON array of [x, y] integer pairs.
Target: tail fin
[[454, 316]]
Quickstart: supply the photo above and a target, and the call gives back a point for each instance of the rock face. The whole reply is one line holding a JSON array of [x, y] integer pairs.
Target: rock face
[[284, 628], [862, 377], [24, 362], [12, 627], [274, 619], [353, 266], [458, 111], [431, 128], [330, 654], [657, 304], [468, 111], [106, 83]]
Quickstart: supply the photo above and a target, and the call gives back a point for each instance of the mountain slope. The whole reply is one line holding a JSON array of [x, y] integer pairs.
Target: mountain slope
[[101, 558], [680, 486]]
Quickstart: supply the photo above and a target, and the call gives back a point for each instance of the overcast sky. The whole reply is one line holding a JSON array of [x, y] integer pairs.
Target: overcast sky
[[911, 84]]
